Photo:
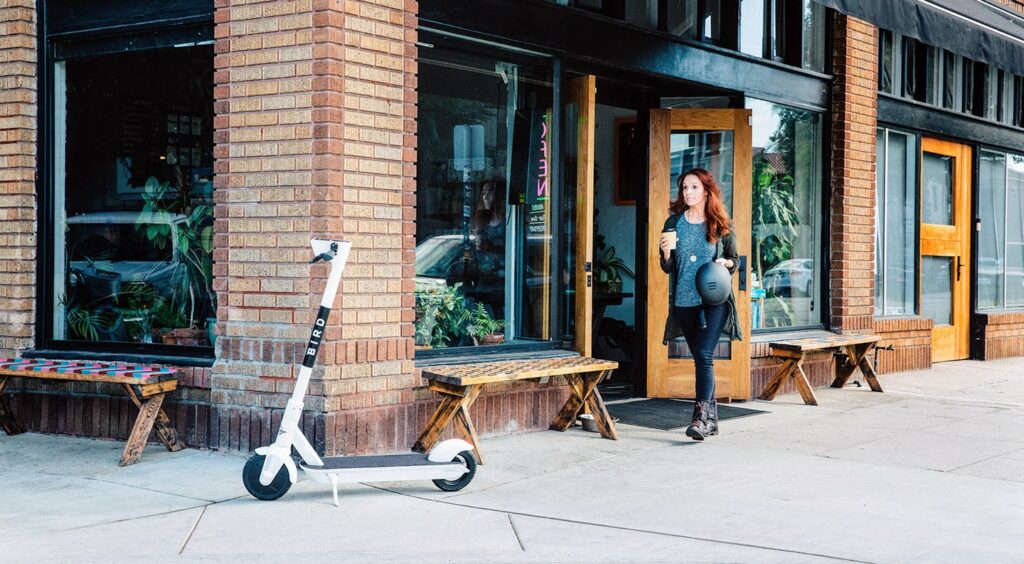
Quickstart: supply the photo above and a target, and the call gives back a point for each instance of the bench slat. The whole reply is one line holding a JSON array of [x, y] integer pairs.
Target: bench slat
[[507, 371], [822, 343], [85, 371]]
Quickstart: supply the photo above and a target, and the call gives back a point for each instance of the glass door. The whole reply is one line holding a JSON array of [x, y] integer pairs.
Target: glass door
[[719, 141], [946, 246]]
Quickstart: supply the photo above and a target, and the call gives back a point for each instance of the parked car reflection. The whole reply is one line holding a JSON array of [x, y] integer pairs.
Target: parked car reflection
[[114, 243], [790, 277]]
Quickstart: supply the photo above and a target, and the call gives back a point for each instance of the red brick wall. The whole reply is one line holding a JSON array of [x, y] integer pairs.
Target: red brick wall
[[911, 340], [999, 335], [854, 119], [18, 112]]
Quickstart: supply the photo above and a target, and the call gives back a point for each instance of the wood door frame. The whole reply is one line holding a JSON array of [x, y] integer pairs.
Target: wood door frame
[[950, 342], [662, 123], [583, 90]]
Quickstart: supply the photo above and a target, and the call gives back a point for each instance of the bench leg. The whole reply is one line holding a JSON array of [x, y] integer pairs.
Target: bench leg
[[584, 393], [148, 412], [8, 420], [803, 384], [465, 424], [164, 431], [868, 370], [771, 389], [455, 404], [857, 358], [578, 392], [605, 423]]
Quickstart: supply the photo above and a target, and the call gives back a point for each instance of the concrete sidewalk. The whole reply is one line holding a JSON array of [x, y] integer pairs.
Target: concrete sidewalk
[[930, 471]]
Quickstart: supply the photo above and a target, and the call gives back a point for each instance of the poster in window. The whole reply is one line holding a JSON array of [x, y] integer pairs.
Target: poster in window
[[630, 169]]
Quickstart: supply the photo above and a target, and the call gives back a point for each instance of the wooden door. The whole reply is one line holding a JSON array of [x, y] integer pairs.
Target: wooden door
[[718, 140], [944, 289], [582, 93]]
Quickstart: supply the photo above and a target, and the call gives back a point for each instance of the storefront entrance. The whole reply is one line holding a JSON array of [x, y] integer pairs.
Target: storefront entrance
[[946, 246], [720, 141]]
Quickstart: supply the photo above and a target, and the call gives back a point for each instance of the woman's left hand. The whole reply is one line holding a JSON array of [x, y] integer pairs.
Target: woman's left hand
[[725, 262]]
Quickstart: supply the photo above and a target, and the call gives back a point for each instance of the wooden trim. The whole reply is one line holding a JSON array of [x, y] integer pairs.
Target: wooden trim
[[659, 174], [950, 342], [583, 92], [674, 378]]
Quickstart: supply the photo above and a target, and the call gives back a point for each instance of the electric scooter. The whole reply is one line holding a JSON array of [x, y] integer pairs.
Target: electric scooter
[[270, 473]]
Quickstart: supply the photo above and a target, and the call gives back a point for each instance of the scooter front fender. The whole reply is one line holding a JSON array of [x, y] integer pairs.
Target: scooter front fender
[[446, 450], [275, 458]]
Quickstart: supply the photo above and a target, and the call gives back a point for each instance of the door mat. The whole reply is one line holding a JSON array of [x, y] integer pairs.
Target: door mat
[[668, 414]]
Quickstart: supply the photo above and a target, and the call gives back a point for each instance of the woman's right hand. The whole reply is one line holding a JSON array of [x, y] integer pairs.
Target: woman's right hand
[[666, 246]]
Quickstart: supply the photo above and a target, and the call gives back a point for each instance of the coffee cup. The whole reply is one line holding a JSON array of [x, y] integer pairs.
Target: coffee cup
[[670, 234]]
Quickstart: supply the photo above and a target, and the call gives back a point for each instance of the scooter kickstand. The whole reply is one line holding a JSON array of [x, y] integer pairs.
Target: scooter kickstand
[[334, 482]]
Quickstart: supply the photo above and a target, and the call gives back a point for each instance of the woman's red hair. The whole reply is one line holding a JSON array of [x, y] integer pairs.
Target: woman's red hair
[[714, 208]]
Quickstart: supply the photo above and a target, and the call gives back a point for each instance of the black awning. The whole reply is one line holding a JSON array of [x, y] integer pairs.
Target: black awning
[[975, 29]]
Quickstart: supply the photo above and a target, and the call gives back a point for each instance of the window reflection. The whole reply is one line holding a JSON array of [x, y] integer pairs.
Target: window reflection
[[483, 233], [133, 190], [786, 199]]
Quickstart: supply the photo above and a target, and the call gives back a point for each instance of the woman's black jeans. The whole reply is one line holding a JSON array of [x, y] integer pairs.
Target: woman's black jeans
[[702, 341]]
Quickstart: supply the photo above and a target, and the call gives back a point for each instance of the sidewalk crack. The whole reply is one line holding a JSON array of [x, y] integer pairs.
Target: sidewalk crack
[[515, 532], [192, 530]]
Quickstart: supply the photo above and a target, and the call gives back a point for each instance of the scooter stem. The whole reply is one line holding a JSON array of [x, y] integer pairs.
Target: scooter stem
[[335, 252]]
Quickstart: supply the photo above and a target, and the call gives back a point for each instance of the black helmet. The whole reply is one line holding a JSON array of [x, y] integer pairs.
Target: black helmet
[[713, 283]]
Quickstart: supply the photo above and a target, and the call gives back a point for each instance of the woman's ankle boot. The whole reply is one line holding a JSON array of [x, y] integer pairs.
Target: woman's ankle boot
[[698, 429], [713, 417]]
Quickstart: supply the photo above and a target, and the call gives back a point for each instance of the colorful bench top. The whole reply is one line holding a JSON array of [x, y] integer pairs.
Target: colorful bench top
[[84, 370]]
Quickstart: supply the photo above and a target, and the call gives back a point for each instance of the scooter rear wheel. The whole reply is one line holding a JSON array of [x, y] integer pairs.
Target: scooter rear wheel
[[251, 478], [466, 457]]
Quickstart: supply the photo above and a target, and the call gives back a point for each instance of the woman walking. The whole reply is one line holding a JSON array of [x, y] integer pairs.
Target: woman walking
[[697, 232]]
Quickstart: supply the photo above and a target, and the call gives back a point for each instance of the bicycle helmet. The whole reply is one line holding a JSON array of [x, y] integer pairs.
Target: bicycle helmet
[[713, 283]]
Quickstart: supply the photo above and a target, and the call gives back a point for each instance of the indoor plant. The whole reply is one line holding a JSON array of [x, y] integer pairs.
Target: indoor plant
[[191, 237], [608, 272], [441, 316], [484, 329]]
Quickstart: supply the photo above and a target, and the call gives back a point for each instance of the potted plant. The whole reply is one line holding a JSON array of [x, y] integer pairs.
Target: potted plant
[[608, 271], [483, 328], [441, 316], [191, 238]]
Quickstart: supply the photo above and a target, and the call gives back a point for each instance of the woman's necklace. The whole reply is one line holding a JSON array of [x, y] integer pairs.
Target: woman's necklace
[[693, 220]]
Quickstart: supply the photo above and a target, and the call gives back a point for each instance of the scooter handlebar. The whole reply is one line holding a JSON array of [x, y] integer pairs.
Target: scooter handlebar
[[323, 250]]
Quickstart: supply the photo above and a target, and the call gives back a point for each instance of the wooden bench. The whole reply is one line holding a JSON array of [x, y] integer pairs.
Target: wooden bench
[[146, 386], [460, 384], [793, 352]]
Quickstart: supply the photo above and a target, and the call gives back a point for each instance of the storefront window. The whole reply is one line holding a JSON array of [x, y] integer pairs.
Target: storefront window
[[133, 197], [483, 207], [786, 247], [1001, 239], [895, 223]]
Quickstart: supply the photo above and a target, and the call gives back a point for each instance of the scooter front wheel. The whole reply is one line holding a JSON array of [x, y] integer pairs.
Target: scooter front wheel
[[251, 478], [466, 457]]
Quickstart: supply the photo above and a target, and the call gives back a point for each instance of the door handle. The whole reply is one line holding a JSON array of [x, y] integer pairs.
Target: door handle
[[743, 273], [959, 265]]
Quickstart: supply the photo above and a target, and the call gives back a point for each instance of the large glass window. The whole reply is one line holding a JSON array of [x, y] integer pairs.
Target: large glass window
[[483, 207], [786, 265], [1001, 238], [895, 223], [791, 32], [133, 197]]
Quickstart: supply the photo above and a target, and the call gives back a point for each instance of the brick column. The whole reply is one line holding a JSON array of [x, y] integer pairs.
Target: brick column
[[314, 137], [854, 119], [17, 174], [369, 402]]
